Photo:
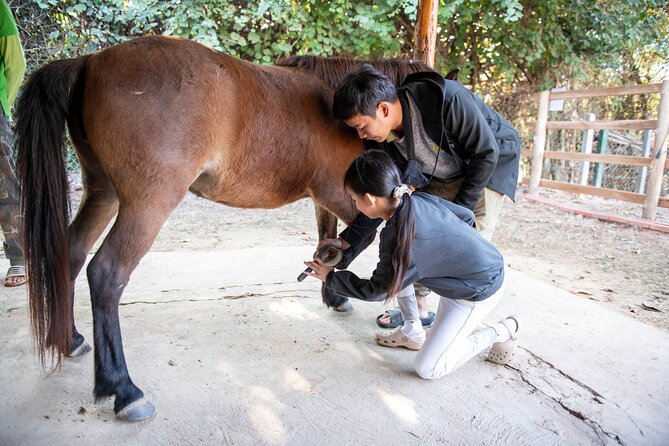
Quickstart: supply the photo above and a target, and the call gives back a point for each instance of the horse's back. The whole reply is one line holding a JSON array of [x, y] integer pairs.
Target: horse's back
[[177, 112]]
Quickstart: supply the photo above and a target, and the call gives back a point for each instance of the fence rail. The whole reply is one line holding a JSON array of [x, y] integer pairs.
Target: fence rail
[[636, 161], [655, 164]]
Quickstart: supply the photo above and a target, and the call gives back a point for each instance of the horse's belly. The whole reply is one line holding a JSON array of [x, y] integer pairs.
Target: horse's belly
[[246, 191]]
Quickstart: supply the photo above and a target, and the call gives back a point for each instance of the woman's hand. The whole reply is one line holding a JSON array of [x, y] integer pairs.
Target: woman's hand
[[319, 270], [338, 243]]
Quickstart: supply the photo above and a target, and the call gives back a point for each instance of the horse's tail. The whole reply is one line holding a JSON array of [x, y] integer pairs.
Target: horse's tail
[[44, 106]]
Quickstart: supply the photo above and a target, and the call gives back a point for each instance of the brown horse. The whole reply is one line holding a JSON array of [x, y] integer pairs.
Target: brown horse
[[150, 120]]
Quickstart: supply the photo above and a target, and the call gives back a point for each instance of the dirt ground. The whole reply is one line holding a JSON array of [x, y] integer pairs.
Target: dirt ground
[[624, 268]]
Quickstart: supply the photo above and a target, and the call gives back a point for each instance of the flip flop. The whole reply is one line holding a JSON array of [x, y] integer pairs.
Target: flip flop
[[397, 321], [16, 271]]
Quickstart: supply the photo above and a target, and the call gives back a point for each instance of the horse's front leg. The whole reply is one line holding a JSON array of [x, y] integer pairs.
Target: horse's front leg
[[327, 228]]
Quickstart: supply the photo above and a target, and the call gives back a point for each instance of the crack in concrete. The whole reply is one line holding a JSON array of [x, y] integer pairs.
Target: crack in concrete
[[212, 299], [597, 397], [593, 425]]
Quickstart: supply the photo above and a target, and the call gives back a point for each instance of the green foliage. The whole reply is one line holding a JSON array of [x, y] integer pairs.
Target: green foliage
[[501, 46], [536, 42], [546, 42], [257, 30]]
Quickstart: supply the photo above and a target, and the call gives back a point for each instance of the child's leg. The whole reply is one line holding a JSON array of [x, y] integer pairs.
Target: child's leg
[[413, 328], [451, 342]]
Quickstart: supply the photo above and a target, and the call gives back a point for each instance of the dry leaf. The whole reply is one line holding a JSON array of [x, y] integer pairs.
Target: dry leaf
[[586, 292]]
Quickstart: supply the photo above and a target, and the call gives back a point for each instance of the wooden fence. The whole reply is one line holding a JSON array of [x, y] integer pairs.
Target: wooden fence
[[656, 163]]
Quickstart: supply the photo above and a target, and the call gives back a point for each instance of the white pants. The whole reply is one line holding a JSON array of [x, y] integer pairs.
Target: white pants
[[451, 342]]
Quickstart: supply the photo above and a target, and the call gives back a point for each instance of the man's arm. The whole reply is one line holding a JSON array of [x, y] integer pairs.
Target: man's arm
[[465, 122], [375, 288]]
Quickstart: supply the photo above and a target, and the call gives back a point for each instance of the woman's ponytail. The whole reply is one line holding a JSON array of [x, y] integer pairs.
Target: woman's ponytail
[[405, 224], [375, 173]]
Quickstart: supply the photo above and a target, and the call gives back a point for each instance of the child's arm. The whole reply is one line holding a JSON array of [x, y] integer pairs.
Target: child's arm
[[348, 284]]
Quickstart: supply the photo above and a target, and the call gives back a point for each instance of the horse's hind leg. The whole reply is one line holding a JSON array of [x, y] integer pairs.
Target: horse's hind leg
[[327, 228], [98, 206], [131, 236]]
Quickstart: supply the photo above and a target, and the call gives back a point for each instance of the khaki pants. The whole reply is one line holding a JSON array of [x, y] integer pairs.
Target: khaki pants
[[486, 211]]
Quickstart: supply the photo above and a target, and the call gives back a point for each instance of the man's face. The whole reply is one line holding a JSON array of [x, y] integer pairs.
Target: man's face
[[375, 128]]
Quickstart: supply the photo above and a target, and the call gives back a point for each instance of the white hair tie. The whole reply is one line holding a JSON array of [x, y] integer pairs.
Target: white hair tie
[[401, 190]]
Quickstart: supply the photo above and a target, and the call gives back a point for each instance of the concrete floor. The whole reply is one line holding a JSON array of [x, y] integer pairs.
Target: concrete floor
[[232, 351]]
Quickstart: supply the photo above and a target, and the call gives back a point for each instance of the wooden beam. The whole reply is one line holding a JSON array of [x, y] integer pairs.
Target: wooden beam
[[603, 216], [598, 191], [607, 91], [631, 197], [539, 143], [628, 124], [597, 158], [656, 170], [425, 36]]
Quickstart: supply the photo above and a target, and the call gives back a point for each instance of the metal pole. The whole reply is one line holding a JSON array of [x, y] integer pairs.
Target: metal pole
[[602, 147], [643, 171], [586, 147]]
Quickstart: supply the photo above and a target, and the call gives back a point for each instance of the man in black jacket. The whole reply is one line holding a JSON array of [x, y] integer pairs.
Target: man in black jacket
[[446, 141]]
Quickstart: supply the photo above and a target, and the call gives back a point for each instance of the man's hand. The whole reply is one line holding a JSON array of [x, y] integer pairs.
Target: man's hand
[[318, 269], [338, 243]]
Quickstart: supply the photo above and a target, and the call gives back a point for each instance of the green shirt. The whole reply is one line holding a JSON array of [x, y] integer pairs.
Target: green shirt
[[12, 62]]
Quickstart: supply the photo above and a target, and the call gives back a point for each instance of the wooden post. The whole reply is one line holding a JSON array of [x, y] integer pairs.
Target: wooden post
[[425, 36], [539, 142], [656, 171], [586, 147]]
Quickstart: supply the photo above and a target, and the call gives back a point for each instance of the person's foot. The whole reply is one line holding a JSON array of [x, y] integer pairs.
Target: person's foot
[[393, 318], [397, 338], [16, 276], [503, 349]]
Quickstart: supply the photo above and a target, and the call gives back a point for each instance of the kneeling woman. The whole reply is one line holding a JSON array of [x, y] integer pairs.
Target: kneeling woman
[[430, 241]]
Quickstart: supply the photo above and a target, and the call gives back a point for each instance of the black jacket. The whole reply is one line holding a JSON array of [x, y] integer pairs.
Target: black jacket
[[449, 256], [484, 144]]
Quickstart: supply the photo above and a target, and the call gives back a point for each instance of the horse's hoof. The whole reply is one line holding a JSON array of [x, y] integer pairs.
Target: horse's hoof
[[139, 410], [346, 307], [80, 351]]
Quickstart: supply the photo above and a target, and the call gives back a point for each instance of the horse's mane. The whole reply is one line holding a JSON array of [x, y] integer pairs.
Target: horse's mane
[[333, 69]]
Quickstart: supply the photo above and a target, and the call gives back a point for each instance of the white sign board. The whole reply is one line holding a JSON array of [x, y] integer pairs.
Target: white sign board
[[557, 104]]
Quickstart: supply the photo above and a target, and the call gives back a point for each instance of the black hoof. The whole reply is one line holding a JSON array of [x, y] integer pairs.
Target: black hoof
[[139, 410], [346, 307], [79, 351], [334, 300]]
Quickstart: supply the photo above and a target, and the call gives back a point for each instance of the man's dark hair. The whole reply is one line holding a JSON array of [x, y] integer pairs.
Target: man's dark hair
[[361, 91]]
